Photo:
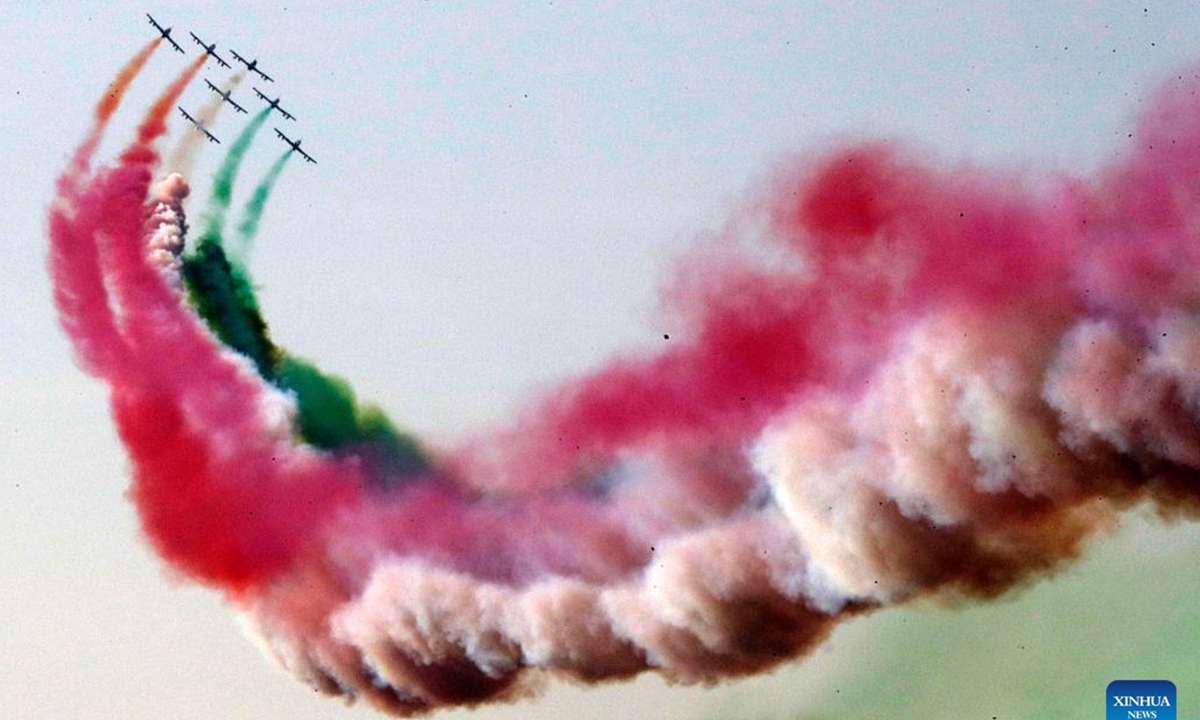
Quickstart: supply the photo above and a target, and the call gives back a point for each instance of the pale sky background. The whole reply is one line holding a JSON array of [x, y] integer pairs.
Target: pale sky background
[[500, 187]]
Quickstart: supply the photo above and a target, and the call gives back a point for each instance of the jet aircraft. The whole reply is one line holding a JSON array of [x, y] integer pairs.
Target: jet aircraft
[[210, 49], [251, 66], [165, 33], [295, 145], [275, 104], [225, 96], [200, 126]]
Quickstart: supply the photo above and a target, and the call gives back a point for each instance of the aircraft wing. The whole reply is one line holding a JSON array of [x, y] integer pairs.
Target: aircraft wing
[[173, 43], [237, 107], [237, 57], [198, 40], [214, 87], [265, 76], [155, 24], [191, 119], [306, 156], [211, 137], [285, 113], [220, 60], [259, 93]]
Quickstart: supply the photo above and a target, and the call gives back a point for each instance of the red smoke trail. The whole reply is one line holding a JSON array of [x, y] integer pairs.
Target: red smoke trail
[[753, 336], [81, 300], [207, 462], [955, 379], [79, 292], [155, 122], [72, 253], [228, 489], [108, 105], [112, 246], [81, 216]]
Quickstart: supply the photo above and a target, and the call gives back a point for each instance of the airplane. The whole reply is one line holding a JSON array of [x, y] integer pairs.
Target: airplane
[[275, 104], [210, 49], [295, 146], [251, 66], [200, 126], [225, 96], [165, 33]]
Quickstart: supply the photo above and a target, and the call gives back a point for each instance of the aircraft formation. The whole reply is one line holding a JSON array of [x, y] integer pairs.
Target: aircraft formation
[[210, 49]]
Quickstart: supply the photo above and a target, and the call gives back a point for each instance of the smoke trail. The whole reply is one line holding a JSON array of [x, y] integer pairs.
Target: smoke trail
[[116, 90], [181, 158], [80, 296], [106, 107], [222, 192], [220, 283], [222, 295], [154, 123], [332, 417], [194, 450], [971, 374], [253, 212], [329, 414], [221, 288]]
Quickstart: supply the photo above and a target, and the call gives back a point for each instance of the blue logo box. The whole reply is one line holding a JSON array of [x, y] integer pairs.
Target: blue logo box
[[1141, 700]]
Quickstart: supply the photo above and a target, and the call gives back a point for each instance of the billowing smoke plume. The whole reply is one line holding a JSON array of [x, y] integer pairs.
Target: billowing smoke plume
[[942, 384]]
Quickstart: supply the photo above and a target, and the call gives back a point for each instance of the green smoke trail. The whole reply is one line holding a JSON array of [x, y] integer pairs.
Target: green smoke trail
[[221, 290], [252, 213], [222, 191], [220, 284], [222, 294], [332, 418]]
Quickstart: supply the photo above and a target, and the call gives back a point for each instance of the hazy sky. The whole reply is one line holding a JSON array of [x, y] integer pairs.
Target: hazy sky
[[501, 185]]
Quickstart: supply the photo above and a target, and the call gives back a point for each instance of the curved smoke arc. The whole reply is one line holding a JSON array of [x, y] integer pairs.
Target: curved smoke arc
[[960, 378]]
